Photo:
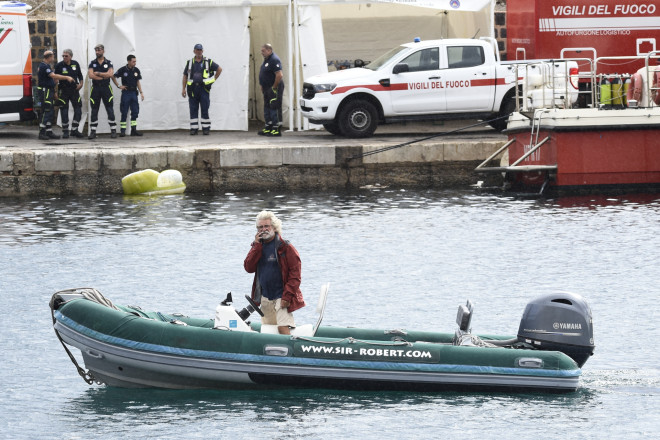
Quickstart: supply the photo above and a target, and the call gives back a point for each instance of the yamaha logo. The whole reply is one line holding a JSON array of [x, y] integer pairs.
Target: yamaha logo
[[567, 326]]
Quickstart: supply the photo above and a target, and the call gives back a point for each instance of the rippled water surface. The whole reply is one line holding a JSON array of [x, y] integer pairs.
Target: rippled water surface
[[394, 258]]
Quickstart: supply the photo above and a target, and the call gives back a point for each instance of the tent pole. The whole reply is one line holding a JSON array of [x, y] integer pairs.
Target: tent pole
[[298, 64], [290, 65]]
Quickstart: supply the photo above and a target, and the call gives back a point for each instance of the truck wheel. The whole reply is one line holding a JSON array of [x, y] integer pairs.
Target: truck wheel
[[332, 128], [508, 107], [358, 119]]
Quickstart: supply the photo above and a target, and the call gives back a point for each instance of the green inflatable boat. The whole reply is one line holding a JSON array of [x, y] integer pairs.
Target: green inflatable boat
[[125, 346]]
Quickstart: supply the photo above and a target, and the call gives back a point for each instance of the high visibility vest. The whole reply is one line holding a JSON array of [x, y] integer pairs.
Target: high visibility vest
[[206, 62]]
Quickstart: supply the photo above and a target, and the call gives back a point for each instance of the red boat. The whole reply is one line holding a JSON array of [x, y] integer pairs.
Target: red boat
[[565, 150]]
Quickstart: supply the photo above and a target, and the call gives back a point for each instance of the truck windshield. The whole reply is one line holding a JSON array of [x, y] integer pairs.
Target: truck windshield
[[383, 59]]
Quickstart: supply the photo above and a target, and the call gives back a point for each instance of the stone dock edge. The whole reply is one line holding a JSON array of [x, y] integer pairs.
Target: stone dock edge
[[209, 169]]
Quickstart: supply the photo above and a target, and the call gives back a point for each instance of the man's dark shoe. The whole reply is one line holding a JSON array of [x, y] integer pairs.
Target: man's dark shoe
[[65, 134], [206, 131], [76, 133], [92, 135], [134, 132], [43, 136], [113, 134], [265, 131], [193, 131], [122, 132], [52, 135], [275, 132]]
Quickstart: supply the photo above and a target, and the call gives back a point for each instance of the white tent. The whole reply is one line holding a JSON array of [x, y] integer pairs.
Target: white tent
[[161, 34]]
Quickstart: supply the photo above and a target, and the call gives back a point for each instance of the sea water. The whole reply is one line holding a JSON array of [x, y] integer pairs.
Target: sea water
[[394, 258]]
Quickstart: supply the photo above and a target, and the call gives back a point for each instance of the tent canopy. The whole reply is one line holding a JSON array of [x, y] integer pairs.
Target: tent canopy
[[161, 34]]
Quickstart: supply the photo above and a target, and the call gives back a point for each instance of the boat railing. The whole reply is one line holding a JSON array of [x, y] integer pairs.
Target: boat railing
[[545, 84], [532, 147]]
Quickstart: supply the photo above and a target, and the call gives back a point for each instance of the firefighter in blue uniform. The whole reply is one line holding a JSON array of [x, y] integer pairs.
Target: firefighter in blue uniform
[[272, 87], [46, 93], [198, 76], [69, 92], [130, 87], [100, 71]]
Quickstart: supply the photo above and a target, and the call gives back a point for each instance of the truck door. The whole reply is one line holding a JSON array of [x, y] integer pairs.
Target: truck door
[[418, 89], [468, 80]]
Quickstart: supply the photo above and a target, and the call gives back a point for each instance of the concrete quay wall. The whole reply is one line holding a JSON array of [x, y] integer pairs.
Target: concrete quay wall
[[211, 169]]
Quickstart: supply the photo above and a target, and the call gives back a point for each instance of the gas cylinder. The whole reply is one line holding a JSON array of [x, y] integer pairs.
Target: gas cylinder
[[605, 92], [626, 87], [617, 92]]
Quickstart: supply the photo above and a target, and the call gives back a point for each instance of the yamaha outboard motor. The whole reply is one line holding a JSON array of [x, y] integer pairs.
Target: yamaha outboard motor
[[559, 322]]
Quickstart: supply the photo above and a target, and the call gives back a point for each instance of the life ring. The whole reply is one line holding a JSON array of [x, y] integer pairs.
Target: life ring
[[635, 88]]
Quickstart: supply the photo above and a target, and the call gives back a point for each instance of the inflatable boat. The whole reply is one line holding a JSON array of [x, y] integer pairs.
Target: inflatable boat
[[125, 346]]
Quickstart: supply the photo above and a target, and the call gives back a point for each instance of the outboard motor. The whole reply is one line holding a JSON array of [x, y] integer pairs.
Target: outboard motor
[[559, 322]]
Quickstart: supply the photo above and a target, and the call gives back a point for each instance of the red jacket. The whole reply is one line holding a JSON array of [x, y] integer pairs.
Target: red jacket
[[290, 265]]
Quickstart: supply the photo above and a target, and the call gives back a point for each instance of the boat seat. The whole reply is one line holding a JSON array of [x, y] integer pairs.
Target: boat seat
[[305, 329]]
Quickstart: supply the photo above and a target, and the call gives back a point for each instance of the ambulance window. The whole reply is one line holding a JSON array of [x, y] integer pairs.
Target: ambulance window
[[465, 56], [425, 59]]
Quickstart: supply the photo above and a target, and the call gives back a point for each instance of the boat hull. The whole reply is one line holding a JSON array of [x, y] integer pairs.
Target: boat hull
[[189, 357], [591, 149]]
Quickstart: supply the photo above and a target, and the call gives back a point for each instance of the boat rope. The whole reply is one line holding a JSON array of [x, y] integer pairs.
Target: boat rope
[[352, 340], [87, 376], [444, 133], [473, 340]]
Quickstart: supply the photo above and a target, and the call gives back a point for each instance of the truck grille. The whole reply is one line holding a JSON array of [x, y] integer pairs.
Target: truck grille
[[308, 91]]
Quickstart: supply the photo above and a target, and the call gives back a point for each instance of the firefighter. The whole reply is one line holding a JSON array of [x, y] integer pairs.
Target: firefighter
[[130, 87], [69, 92], [272, 87], [198, 76], [46, 90], [100, 71]]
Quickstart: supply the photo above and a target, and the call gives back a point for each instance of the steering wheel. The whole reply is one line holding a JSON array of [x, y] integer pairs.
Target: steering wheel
[[254, 305]]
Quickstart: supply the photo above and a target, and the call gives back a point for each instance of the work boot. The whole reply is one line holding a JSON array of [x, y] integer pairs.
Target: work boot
[[275, 132], [92, 135], [205, 131], [135, 132], [113, 133], [52, 135], [122, 132], [193, 131], [65, 134], [76, 133], [265, 131], [43, 136]]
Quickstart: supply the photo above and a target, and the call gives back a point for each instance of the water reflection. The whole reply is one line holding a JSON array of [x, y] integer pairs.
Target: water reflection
[[25, 221]]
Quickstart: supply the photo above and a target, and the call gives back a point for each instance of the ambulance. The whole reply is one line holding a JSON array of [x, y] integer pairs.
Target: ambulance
[[16, 103]]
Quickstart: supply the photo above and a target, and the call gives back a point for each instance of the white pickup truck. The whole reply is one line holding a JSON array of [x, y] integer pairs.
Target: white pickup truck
[[436, 79]]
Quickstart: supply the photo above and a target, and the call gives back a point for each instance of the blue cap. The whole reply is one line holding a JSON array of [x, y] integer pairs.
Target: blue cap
[[199, 47]]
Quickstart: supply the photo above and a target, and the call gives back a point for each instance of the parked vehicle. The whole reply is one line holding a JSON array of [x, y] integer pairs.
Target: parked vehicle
[[426, 80], [16, 103]]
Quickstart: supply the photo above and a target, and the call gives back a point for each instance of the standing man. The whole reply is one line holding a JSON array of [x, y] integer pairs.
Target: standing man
[[277, 270], [69, 92], [272, 87], [130, 86], [46, 90], [198, 77], [100, 72]]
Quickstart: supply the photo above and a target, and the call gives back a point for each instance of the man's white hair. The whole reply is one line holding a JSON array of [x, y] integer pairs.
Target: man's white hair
[[270, 215]]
